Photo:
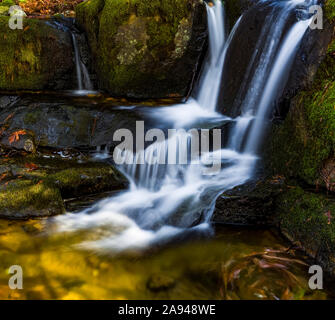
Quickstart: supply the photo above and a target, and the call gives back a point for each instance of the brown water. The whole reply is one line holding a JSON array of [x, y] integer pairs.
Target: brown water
[[235, 264]]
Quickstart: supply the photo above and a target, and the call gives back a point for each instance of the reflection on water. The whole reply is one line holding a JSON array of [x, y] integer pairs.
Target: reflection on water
[[236, 264]]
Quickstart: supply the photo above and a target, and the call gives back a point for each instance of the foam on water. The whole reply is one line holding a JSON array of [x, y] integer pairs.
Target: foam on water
[[165, 201]]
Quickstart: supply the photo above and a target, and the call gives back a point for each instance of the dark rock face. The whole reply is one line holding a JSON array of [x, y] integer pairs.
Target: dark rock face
[[148, 49], [312, 51], [63, 125], [36, 58], [251, 204], [239, 56], [235, 8]]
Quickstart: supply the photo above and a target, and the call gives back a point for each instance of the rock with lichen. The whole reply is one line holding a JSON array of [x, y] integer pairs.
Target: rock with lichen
[[145, 49], [36, 186], [38, 56]]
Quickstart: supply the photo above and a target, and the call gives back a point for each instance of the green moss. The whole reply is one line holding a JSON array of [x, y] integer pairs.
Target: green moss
[[32, 118], [27, 197], [87, 16], [307, 137], [132, 35], [40, 192], [308, 218], [23, 62], [330, 10]]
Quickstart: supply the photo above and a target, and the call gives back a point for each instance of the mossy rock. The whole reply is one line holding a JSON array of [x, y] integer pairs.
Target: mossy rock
[[37, 57], [145, 48], [303, 146], [32, 186], [330, 10], [307, 219]]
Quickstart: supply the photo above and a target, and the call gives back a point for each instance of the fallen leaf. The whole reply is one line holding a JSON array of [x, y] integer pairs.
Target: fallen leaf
[[31, 166], [15, 136]]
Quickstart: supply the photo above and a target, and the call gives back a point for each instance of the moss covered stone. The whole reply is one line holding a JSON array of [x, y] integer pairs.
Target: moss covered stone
[[308, 219], [330, 10], [142, 48], [304, 145], [34, 58], [34, 186]]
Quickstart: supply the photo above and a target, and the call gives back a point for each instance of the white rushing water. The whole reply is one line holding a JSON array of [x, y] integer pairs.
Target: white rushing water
[[164, 201], [83, 78]]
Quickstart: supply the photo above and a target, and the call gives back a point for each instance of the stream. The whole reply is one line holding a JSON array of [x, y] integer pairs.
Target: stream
[[155, 240]]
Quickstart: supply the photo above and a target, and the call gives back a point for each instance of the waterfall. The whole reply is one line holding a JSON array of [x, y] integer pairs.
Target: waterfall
[[168, 200], [83, 77]]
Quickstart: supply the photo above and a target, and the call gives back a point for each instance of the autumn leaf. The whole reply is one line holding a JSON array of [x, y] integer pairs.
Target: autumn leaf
[[15, 136], [3, 176], [31, 166]]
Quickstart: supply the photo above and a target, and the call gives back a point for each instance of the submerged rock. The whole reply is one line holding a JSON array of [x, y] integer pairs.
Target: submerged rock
[[34, 186], [37, 57], [160, 282], [145, 49]]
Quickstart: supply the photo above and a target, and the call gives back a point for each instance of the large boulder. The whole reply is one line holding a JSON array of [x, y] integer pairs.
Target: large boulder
[[145, 48], [37, 57]]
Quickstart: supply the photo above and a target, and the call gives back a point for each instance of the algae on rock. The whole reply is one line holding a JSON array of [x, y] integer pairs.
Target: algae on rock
[[142, 48], [37, 57]]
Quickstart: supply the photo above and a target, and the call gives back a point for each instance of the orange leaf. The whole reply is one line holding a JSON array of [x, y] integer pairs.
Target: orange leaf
[[15, 136], [31, 166]]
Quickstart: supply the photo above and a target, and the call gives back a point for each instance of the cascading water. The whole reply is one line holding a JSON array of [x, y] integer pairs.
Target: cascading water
[[83, 77], [168, 200]]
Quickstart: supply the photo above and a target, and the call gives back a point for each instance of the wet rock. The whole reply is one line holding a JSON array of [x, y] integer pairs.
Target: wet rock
[[249, 204], [34, 186], [307, 219], [235, 8], [19, 140], [35, 58], [64, 125], [310, 54], [159, 282], [147, 49], [302, 146], [7, 101]]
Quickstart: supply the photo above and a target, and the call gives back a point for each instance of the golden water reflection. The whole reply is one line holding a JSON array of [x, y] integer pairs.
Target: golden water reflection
[[235, 264]]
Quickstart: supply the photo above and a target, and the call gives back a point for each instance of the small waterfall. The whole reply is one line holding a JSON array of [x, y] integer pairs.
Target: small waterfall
[[83, 77], [166, 200], [275, 83]]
